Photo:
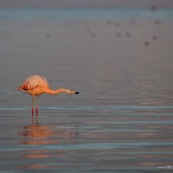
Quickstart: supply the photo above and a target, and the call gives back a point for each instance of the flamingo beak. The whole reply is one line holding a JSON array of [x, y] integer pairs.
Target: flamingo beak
[[76, 92]]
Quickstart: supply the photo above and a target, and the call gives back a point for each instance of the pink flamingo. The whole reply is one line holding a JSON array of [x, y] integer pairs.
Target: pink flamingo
[[36, 85]]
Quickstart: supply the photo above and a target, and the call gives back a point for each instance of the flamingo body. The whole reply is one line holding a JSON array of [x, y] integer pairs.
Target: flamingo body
[[36, 85]]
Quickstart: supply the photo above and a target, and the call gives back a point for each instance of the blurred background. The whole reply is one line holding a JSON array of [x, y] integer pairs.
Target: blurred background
[[87, 4]]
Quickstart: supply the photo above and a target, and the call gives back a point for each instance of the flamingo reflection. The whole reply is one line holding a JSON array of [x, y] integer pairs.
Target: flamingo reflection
[[37, 134]]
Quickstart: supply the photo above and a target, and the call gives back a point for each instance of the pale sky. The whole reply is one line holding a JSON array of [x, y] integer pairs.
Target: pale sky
[[87, 3]]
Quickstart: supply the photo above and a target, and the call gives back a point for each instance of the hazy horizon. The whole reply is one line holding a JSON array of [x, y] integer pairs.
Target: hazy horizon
[[88, 3]]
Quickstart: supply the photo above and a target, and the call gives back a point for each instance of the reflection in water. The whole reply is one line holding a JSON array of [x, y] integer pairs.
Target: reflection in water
[[37, 134], [34, 166]]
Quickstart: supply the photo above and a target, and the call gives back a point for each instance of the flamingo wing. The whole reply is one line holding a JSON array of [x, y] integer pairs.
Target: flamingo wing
[[33, 82]]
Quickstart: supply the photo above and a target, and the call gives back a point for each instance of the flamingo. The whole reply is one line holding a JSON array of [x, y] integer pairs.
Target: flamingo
[[36, 85]]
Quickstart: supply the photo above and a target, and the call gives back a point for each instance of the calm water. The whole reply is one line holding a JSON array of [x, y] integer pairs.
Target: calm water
[[120, 62]]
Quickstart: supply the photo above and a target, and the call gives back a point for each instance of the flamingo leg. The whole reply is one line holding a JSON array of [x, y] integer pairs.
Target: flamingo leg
[[32, 105], [37, 105]]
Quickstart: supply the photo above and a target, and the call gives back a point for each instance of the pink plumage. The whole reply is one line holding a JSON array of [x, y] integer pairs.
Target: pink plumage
[[34, 85]]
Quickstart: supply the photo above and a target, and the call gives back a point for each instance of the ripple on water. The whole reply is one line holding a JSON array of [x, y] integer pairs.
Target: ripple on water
[[91, 108]]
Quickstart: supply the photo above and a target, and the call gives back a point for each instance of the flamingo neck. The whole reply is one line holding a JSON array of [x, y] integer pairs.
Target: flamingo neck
[[57, 91]]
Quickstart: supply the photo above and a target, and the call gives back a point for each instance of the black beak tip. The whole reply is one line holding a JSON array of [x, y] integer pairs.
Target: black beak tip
[[76, 92]]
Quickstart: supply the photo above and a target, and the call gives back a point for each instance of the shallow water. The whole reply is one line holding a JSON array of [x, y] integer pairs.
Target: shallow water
[[119, 61]]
